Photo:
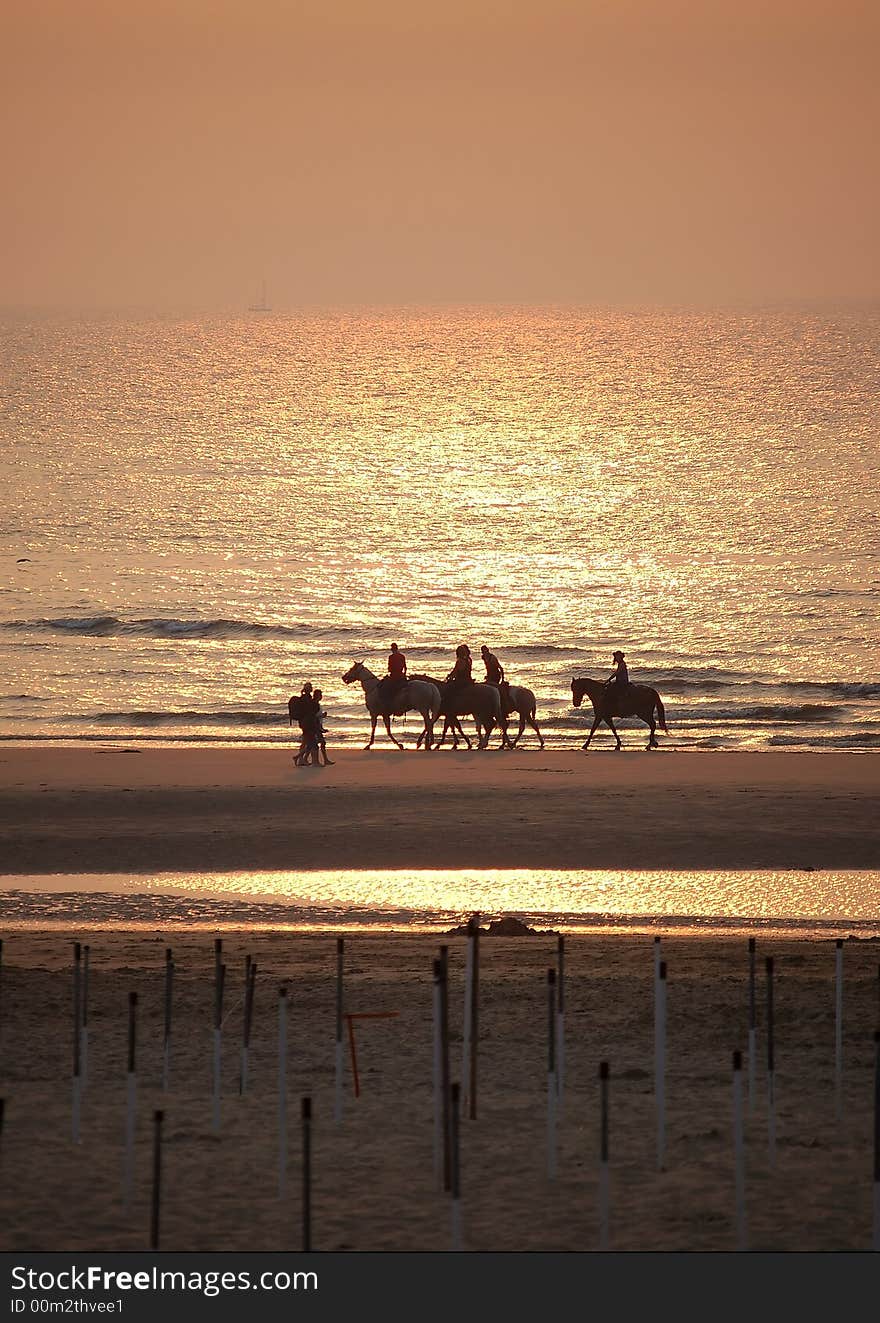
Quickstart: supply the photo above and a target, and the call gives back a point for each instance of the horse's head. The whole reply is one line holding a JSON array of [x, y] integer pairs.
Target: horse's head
[[352, 674], [578, 689]]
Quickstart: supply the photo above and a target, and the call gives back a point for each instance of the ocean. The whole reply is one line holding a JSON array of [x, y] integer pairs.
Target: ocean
[[202, 513]]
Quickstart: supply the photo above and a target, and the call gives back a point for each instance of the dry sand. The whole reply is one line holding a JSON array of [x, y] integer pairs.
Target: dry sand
[[110, 809], [373, 1177]]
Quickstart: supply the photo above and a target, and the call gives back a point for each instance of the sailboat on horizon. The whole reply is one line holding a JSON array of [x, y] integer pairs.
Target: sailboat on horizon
[[262, 306]]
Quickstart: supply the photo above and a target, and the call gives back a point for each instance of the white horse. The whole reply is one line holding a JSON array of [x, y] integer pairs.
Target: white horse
[[524, 705], [415, 696]]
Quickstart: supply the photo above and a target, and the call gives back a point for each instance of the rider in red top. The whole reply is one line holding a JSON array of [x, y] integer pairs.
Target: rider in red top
[[395, 678], [396, 663]]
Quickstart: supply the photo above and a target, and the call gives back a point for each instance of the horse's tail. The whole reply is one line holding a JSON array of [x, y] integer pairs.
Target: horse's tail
[[661, 712]]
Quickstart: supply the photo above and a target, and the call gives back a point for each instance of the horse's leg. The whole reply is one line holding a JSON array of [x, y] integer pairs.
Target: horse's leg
[[586, 743], [387, 721], [534, 725], [519, 734], [374, 719], [652, 738], [427, 734], [610, 722]]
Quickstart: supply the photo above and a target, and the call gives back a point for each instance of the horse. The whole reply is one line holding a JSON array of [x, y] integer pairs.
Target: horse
[[480, 701], [638, 701], [524, 704], [521, 701], [415, 696]]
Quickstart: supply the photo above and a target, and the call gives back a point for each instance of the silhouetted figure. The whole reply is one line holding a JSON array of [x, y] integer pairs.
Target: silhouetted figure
[[391, 683], [621, 674], [462, 671], [320, 738], [304, 710], [494, 669]]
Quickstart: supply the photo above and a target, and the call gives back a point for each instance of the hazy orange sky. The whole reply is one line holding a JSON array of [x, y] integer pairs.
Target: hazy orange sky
[[376, 151]]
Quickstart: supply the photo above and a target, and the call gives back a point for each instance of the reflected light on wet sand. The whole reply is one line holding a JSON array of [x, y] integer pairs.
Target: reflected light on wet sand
[[707, 900]]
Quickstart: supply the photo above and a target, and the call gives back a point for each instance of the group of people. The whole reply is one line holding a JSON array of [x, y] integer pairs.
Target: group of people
[[306, 710], [461, 673]]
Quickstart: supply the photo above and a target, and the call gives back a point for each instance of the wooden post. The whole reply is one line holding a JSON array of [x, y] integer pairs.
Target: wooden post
[[876, 1244], [560, 1017], [771, 1068], [338, 1109], [155, 1203], [660, 1064], [604, 1181], [475, 1019], [838, 1031], [307, 1174], [753, 1027], [218, 1044], [77, 1041], [130, 1101], [437, 1078], [84, 1023], [250, 977], [166, 1038], [466, 1023], [445, 1081], [551, 1074], [739, 1154], [455, 1135], [282, 1091]]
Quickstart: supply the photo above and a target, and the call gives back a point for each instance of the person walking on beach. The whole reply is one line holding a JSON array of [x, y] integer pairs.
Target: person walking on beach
[[304, 709], [395, 679], [320, 737]]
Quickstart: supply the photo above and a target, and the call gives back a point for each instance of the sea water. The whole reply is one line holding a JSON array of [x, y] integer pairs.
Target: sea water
[[200, 514]]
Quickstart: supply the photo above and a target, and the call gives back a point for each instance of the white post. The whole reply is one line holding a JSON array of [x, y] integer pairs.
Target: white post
[[166, 1037], [215, 1092], [84, 1030], [282, 1091], [560, 1019], [771, 1068], [77, 1042], [604, 1182], [876, 1245], [130, 1105], [337, 1110], [551, 1075], [455, 1119], [838, 1032], [468, 1007], [753, 1028], [739, 1154], [437, 1081], [660, 1063]]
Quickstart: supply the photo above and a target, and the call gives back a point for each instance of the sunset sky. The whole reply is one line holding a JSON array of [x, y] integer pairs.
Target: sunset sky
[[174, 153]]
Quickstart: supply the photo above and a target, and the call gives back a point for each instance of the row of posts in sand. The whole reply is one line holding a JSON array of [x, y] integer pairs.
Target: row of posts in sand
[[452, 1101]]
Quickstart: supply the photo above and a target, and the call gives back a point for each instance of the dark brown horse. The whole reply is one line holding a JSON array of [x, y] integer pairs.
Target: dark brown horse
[[638, 701]]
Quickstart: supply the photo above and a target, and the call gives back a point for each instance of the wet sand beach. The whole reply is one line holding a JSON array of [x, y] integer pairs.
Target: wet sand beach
[[117, 809]]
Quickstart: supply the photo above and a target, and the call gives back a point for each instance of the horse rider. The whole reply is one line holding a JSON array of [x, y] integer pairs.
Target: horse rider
[[461, 672], [617, 685], [396, 677], [495, 676], [494, 669]]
